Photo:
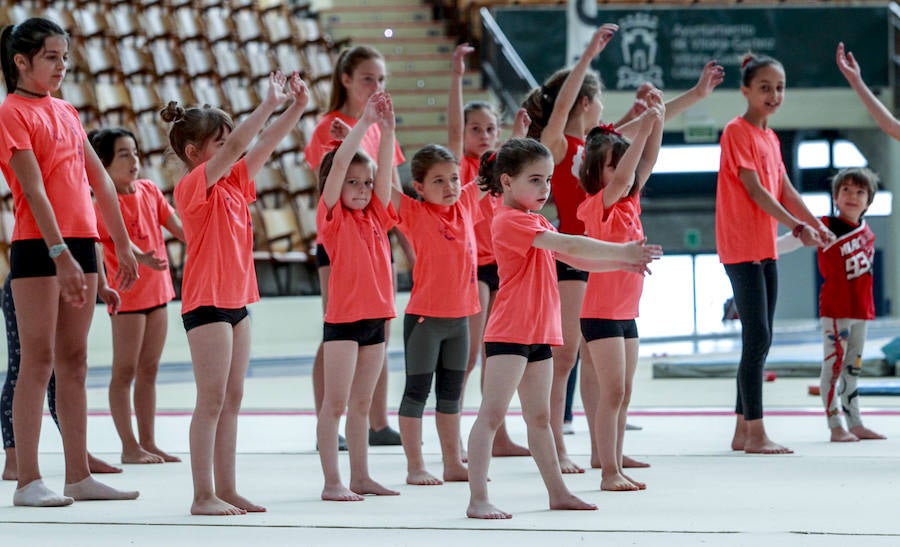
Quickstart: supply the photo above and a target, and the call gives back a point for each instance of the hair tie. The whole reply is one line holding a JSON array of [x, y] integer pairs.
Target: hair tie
[[608, 129], [746, 60], [493, 156]]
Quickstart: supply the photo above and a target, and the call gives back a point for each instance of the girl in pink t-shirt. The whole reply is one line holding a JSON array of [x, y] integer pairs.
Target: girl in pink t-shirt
[[353, 218], [754, 194], [525, 321], [52, 170], [219, 276], [473, 130], [140, 324], [613, 173]]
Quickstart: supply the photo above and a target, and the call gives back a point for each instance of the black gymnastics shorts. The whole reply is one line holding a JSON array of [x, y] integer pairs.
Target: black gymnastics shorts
[[488, 275], [533, 352], [145, 311], [206, 315], [31, 258], [595, 329], [564, 272], [365, 332], [322, 259]]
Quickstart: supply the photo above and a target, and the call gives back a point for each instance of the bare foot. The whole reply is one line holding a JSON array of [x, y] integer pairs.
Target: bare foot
[[568, 467], [617, 483], [241, 502], [765, 446], [739, 441], [168, 458], [455, 472], [368, 486], [140, 456], [570, 502], [508, 449], [340, 493], [485, 510], [841, 435], [215, 506], [96, 465], [631, 463], [866, 434], [639, 484], [422, 478]]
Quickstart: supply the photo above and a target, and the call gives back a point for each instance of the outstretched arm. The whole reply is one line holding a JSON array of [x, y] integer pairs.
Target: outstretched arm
[[272, 135], [237, 142], [590, 249], [553, 134], [455, 117], [848, 66]]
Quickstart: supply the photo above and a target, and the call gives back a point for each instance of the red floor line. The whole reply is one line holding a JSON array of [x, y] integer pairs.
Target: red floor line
[[659, 413]]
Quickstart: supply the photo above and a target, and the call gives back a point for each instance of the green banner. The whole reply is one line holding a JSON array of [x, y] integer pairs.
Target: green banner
[[670, 45]]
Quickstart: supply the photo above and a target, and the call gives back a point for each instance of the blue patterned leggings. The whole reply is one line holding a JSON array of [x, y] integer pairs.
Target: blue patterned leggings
[[12, 370]]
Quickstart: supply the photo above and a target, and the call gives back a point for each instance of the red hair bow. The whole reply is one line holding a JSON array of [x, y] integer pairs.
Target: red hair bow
[[493, 156], [608, 128]]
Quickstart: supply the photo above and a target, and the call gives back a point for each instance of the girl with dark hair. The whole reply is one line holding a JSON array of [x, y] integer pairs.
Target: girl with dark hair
[[51, 170]]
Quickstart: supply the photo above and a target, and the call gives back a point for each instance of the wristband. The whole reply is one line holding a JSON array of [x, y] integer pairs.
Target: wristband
[[798, 229], [56, 250]]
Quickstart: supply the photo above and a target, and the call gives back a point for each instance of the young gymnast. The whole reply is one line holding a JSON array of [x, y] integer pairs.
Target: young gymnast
[[359, 72], [212, 203], [353, 218], [753, 195], [140, 324], [444, 294], [562, 111], [51, 170], [525, 321], [472, 130], [846, 301], [613, 174]]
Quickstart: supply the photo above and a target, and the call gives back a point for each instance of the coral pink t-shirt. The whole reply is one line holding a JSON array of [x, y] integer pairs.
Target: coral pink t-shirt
[[143, 212], [320, 143], [468, 174], [566, 188], [526, 309], [51, 129], [445, 280], [744, 232], [361, 285], [612, 295], [219, 269]]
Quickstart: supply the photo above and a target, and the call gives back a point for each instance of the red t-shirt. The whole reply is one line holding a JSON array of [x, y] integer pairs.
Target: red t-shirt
[[51, 129], [361, 285], [846, 267], [445, 280], [468, 174], [566, 188], [143, 212], [744, 232], [219, 269], [320, 143], [526, 309], [612, 295]]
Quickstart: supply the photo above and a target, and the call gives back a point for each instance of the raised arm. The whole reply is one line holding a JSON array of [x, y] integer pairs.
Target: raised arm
[[650, 153], [455, 121], [237, 142], [331, 190], [272, 135], [553, 135], [848, 66], [626, 169], [384, 175]]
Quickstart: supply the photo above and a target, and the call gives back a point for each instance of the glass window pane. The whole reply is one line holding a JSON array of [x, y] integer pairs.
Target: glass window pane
[[713, 288], [667, 303], [812, 154], [846, 154], [688, 159]]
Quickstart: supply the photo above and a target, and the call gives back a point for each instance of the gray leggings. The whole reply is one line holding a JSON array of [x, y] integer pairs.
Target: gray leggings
[[434, 346], [842, 341]]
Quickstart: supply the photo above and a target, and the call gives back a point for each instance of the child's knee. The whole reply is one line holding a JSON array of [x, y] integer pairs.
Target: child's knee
[[539, 419], [418, 386]]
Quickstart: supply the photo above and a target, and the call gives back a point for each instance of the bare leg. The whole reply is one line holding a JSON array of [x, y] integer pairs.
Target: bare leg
[[502, 374], [212, 347], [476, 346], [341, 356], [128, 339], [416, 473], [631, 359], [318, 375], [378, 418], [145, 382], [534, 391], [571, 293], [9, 468], [448, 433], [368, 368]]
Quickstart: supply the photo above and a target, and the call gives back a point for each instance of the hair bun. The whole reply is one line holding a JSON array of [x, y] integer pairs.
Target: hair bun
[[172, 113]]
